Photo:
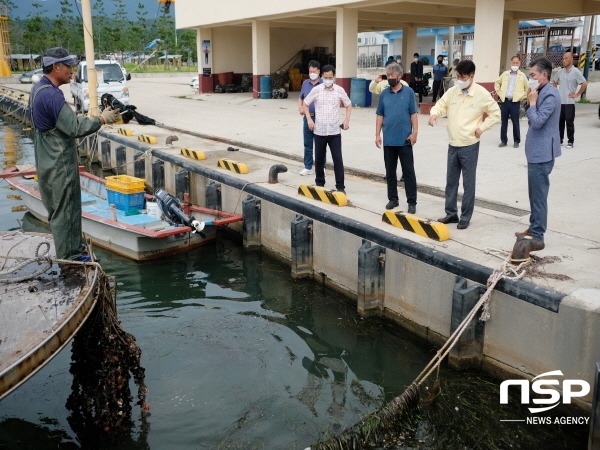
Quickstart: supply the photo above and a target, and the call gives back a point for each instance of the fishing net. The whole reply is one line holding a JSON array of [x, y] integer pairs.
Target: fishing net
[[104, 360]]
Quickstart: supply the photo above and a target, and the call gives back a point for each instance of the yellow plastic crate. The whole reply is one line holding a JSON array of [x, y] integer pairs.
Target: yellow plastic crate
[[125, 184]]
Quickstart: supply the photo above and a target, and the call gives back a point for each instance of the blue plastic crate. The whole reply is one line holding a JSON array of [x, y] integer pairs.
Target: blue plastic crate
[[126, 202]]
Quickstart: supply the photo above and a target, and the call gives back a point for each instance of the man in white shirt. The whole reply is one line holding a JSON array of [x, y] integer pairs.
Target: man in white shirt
[[327, 98]]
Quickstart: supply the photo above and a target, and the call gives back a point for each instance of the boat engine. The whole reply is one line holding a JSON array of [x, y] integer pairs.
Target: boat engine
[[172, 212]]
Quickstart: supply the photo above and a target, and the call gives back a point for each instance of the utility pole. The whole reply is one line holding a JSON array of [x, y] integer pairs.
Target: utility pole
[[88, 36], [585, 34]]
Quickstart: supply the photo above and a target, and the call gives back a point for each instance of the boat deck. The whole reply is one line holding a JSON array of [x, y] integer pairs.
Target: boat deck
[[34, 313]]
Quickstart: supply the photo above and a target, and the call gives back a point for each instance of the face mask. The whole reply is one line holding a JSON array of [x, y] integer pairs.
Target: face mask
[[514, 68], [313, 76], [416, 59], [392, 81], [328, 83], [463, 84], [533, 84], [440, 61]]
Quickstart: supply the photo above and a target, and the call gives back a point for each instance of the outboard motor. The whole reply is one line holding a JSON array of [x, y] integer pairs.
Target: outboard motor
[[172, 212]]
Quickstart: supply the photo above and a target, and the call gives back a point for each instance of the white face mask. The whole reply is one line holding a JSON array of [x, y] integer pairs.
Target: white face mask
[[463, 84], [416, 59], [328, 83], [313, 76], [533, 84], [514, 68]]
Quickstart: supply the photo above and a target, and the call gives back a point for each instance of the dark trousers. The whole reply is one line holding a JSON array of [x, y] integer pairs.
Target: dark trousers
[[335, 147], [391, 154], [418, 88], [567, 116], [308, 144], [438, 87], [538, 179], [510, 109], [461, 160]]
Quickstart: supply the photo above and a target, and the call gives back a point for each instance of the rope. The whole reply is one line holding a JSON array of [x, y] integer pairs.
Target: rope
[[145, 155], [38, 258], [503, 272]]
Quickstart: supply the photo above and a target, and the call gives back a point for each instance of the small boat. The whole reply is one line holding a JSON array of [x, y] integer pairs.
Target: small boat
[[140, 236], [39, 315]]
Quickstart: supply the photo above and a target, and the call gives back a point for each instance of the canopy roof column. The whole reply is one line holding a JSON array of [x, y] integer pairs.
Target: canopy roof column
[[205, 57], [510, 41], [345, 43], [261, 53], [409, 46], [487, 45]]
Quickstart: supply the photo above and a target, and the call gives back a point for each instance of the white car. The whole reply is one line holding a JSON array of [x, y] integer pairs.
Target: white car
[[195, 84]]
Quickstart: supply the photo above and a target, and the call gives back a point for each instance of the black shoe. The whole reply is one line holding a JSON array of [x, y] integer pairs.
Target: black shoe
[[502, 144], [402, 179], [412, 208], [462, 225], [393, 203], [516, 145], [341, 190], [450, 218]]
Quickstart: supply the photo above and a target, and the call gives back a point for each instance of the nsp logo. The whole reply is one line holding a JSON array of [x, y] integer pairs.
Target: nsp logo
[[538, 387]]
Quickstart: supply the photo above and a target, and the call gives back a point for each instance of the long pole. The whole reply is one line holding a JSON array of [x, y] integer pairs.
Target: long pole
[[86, 10]]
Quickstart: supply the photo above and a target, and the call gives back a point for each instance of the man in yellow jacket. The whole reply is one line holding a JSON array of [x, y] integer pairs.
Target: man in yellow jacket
[[511, 87], [465, 103], [379, 84]]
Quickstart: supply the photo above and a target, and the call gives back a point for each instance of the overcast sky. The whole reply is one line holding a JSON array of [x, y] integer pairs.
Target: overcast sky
[[53, 7]]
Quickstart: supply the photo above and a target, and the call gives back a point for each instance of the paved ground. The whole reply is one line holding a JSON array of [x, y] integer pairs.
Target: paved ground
[[502, 178]]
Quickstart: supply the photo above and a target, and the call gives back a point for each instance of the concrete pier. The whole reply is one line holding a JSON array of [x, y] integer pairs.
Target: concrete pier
[[537, 324]]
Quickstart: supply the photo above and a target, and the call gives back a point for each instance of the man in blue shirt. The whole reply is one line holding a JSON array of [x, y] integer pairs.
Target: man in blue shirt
[[397, 116], [314, 69], [439, 72]]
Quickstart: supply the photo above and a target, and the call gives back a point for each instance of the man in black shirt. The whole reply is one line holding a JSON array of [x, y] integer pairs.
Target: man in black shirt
[[416, 76]]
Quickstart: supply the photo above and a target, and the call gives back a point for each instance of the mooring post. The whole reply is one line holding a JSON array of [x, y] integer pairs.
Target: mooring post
[[213, 195], [105, 154], [302, 247], [121, 152], [468, 351], [251, 228], [139, 166], [371, 277], [158, 175], [594, 440], [182, 184]]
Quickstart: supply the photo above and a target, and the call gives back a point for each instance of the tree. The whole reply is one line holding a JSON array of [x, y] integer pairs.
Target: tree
[[187, 44], [35, 30]]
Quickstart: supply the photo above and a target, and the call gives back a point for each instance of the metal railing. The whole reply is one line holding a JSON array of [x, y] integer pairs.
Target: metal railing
[[554, 57], [370, 61]]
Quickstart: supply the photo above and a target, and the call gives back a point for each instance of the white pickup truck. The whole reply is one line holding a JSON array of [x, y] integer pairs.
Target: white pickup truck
[[112, 79]]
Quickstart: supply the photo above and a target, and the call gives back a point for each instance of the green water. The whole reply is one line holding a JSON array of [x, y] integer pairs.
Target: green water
[[240, 356]]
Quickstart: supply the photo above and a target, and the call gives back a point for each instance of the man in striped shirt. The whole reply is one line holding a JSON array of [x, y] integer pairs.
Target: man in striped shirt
[[327, 98]]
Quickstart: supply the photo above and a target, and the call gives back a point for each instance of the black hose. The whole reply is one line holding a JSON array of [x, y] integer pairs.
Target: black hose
[[274, 171]]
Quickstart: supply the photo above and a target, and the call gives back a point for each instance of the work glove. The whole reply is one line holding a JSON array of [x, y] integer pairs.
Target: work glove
[[110, 115]]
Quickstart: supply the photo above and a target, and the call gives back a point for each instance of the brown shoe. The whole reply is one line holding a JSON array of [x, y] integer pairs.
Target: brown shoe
[[523, 233]]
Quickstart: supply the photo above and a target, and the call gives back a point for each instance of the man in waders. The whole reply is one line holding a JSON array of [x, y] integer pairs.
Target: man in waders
[[56, 128]]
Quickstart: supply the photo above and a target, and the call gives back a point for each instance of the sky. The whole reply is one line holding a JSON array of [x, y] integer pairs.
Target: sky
[[53, 7]]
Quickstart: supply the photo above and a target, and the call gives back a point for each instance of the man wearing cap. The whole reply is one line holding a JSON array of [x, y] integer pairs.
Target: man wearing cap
[[56, 128]]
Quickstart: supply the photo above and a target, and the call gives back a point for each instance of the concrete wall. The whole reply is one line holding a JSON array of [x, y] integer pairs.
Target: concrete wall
[[232, 49], [286, 42]]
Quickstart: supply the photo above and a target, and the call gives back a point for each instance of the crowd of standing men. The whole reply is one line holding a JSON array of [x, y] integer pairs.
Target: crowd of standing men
[[470, 110]]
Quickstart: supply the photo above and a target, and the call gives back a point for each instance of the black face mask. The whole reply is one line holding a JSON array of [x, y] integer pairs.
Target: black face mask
[[440, 62], [392, 81]]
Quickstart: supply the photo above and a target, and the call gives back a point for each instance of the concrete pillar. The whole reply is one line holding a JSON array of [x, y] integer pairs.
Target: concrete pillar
[[302, 247], [212, 193], [261, 53], [489, 22], [439, 41], [510, 40], [205, 63], [451, 47], [371, 278], [251, 227], [409, 46], [345, 46]]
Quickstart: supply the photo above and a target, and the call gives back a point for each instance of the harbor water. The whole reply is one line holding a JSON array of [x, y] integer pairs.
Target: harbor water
[[238, 355]]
